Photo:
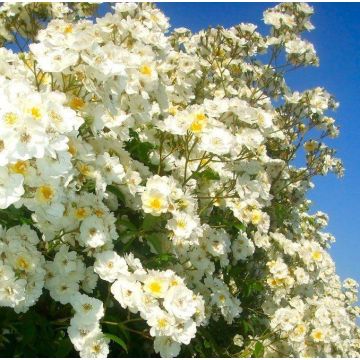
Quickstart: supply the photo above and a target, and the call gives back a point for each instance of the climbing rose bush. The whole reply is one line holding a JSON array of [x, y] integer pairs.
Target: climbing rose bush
[[150, 201]]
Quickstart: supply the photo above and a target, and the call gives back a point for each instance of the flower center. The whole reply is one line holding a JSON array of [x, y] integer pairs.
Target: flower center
[[10, 118], [155, 287], [162, 323], [77, 103], [35, 113], [87, 307], [181, 223], [68, 29], [145, 70], [80, 213], [20, 167], [22, 263], [45, 193], [155, 203], [316, 255]]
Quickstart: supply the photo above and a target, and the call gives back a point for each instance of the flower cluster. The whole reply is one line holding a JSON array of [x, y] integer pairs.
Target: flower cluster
[[67, 274], [308, 306], [84, 330], [22, 270], [170, 309], [154, 172]]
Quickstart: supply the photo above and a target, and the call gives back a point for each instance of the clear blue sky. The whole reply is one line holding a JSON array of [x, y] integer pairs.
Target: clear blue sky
[[337, 40]]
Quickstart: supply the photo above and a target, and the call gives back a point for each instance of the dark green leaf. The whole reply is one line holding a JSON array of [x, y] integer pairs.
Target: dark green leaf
[[117, 340], [116, 191], [149, 222], [64, 348]]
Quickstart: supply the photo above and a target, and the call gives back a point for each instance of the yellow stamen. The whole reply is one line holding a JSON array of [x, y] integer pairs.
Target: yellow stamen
[[172, 110], [181, 223], [174, 282], [155, 287], [85, 169], [10, 118], [99, 213], [22, 263], [81, 213], [72, 149], [317, 335], [198, 123], [96, 348], [45, 193], [256, 217], [145, 70], [20, 167], [55, 117], [155, 203], [316, 255], [77, 103], [35, 113], [162, 323], [87, 307], [310, 146], [68, 29]]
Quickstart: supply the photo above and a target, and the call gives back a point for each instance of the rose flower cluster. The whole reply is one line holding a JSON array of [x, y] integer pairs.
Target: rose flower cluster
[[147, 183]]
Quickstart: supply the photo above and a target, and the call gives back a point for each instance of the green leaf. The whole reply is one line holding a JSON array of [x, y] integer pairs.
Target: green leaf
[[281, 213], [166, 257], [239, 226], [138, 150], [259, 350], [89, 186], [126, 223], [124, 331], [248, 327], [207, 174], [161, 260], [64, 348], [13, 216], [127, 236], [199, 349], [28, 331], [155, 242], [117, 340], [113, 189], [127, 245], [149, 222]]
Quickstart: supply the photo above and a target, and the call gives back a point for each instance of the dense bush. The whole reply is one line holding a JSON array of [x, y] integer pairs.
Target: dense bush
[[149, 198]]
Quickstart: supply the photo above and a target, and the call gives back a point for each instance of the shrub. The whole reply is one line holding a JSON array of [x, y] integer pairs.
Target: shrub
[[149, 198]]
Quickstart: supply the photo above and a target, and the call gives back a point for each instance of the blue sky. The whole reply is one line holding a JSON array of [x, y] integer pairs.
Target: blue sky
[[336, 39]]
